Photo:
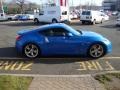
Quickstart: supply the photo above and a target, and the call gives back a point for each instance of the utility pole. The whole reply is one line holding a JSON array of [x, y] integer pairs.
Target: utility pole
[[2, 7]]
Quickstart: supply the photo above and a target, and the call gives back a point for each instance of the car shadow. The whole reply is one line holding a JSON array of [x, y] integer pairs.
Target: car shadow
[[110, 26], [22, 23], [10, 54], [31, 23]]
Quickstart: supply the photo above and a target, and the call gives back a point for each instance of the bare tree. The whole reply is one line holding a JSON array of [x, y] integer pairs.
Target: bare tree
[[21, 4]]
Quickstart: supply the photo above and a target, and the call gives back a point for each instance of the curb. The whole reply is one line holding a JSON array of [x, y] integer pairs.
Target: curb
[[52, 76], [106, 72], [108, 58]]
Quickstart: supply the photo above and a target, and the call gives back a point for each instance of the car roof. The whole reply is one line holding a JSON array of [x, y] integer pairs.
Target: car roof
[[52, 26], [58, 25]]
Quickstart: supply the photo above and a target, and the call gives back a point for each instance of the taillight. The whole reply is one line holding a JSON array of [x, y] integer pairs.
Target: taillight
[[18, 37]]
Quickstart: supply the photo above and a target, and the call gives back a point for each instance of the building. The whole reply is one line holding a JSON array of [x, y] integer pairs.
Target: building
[[109, 5], [118, 5]]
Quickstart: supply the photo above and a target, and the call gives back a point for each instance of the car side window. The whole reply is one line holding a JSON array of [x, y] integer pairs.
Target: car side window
[[59, 32], [41, 13], [54, 32], [47, 32]]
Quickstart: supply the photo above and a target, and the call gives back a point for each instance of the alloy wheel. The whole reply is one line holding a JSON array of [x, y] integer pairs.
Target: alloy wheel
[[31, 50], [96, 51]]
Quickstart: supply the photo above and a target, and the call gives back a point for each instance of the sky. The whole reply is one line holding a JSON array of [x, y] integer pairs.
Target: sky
[[71, 2], [77, 2]]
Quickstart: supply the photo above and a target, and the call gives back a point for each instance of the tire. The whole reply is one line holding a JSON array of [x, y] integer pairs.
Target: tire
[[36, 21], [94, 22], [96, 50], [102, 21], [9, 19], [31, 50], [54, 21], [83, 22]]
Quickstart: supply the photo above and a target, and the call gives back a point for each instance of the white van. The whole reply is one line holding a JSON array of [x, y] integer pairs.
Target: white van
[[2, 16], [52, 14], [91, 17]]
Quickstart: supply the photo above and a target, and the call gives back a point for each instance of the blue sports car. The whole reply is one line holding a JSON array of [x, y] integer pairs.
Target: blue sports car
[[61, 39]]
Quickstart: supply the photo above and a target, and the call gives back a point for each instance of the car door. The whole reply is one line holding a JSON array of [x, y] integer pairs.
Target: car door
[[58, 42]]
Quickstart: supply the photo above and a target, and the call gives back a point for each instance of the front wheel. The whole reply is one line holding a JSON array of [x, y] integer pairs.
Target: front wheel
[[96, 51], [36, 21], [31, 50], [102, 21], [54, 21]]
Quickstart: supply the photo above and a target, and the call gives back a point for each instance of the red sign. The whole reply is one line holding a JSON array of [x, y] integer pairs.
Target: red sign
[[63, 2]]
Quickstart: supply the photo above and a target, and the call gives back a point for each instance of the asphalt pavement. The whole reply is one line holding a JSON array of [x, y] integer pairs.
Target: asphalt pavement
[[12, 63]]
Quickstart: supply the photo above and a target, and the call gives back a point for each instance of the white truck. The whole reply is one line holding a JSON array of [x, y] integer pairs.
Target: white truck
[[91, 17], [52, 14]]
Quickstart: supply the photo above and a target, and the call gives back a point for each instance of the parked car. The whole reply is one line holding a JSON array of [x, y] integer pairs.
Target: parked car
[[30, 16], [115, 13], [91, 16], [105, 17], [118, 22], [118, 15], [73, 16], [21, 17], [12, 17], [61, 39]]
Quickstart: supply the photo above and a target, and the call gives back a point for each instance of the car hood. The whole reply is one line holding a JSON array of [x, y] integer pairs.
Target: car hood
[[91, 34]]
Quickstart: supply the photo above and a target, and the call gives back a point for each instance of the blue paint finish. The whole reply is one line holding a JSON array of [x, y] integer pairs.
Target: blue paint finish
[[78, 44]]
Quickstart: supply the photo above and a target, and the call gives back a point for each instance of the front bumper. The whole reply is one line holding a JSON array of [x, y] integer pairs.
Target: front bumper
[[18, 47], [108, 46]]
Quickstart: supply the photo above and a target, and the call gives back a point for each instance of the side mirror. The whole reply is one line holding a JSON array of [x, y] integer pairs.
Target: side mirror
[[70, 35]]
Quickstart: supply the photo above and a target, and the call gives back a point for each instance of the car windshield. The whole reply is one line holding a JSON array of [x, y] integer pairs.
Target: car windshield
[[86, 13], [75, 32]]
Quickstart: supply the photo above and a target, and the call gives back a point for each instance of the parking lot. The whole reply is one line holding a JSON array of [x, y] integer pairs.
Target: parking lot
[[11, 62]]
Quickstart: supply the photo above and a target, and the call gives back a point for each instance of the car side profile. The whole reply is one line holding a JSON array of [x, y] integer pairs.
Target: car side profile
[[118, 22], [91, 16], [61, 39]]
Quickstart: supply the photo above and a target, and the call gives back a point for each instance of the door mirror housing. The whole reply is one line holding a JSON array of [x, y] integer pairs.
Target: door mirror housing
[[69, 34]]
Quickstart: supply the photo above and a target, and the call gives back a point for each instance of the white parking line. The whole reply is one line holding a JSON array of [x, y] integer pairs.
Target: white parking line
[[66, 58], [12, 22], [110, 58]]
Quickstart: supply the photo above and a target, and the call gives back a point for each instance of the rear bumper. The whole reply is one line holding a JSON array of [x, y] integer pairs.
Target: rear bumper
[[18, 47], [86, 20]]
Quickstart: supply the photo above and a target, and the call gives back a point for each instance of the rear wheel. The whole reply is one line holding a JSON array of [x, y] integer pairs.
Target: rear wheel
[[94, 22], [54, 21], [102, 21], [96, 51], [36, 21], [83, 22], [9, 19], [31, 50]]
